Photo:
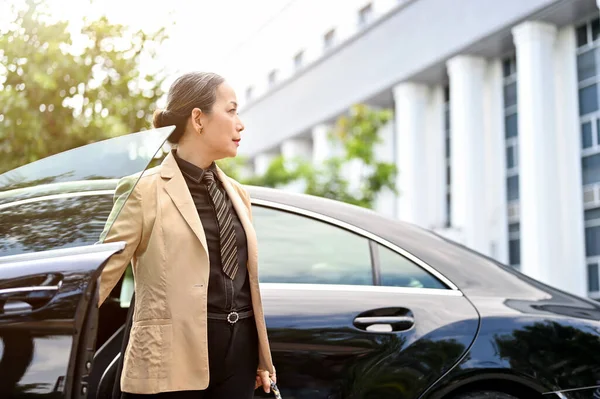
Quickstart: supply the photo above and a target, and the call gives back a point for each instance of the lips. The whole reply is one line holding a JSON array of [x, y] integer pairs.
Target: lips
[[237, 141]]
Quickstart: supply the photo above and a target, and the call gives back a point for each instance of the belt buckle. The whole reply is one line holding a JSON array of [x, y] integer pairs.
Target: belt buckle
[[229, 319]]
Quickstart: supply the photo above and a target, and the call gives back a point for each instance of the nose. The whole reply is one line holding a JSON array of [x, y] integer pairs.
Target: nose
[[240, 126]]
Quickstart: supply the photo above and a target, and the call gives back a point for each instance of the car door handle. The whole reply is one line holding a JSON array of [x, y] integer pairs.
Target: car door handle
[[20, 293], [13, 298], [384, 323], [384, 320]]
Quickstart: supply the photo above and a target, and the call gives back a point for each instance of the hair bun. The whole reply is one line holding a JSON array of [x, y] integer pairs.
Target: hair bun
[[158, 119]]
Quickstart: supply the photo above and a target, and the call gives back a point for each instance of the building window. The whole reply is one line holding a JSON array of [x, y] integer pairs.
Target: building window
[[512, 188], [329, 39], [592, 249], [588, 76], [514, 245], [588, 33], [590, 166], [593, 279], [511, 135], [448, 164], [272, 77], [365, 15], [592, 232], [249, 93], [299, 60]]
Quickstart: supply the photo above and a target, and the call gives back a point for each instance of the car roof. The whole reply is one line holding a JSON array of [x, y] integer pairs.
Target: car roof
[[471, 272]]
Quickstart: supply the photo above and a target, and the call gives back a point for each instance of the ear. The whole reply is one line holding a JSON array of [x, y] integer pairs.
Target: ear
[[197, 117]]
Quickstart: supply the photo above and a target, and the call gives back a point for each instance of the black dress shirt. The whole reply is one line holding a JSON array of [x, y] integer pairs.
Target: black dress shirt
[[224, 294]]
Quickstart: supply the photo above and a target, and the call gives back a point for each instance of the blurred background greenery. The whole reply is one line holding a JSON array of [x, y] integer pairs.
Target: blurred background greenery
[[57, 94]]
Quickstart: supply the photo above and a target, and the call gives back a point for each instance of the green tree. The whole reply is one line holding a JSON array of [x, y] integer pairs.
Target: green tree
[[357, 135], [60, 90]]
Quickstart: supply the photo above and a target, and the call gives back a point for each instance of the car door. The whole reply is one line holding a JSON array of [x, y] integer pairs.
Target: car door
[[48, 319], [334, 331], [52, 214]]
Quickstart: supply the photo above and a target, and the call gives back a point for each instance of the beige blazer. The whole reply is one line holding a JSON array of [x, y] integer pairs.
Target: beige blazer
[[168, 348]]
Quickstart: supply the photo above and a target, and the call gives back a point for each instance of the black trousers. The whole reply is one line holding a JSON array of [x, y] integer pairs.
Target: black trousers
[[233, 360]]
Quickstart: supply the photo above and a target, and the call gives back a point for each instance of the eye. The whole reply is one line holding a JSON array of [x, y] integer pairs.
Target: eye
[[233, 111]]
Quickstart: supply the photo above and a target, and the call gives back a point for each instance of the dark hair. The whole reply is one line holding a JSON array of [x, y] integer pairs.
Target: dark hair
[[189, 91]]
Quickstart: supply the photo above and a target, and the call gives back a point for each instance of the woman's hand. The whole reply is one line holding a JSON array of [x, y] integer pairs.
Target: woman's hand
[[263, 378]]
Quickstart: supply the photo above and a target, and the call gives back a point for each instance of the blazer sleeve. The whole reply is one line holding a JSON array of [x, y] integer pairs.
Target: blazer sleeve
[[126, 226]]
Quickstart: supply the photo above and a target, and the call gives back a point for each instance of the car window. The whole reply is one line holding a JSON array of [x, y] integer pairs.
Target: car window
[[91, 164], [65, 200], [398, 271], [298, 249], [52, 222]]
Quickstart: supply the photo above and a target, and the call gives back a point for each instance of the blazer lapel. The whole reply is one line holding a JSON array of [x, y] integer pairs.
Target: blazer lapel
[[242, 213], [177, 189]]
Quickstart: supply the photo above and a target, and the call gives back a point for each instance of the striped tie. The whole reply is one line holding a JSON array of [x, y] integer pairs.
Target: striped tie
[[229, 259]]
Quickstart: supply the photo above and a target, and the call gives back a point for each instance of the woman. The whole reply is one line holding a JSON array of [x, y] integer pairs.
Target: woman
[[198, 326]]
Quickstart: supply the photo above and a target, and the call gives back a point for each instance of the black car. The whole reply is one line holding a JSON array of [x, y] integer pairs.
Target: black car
[[357, 305]]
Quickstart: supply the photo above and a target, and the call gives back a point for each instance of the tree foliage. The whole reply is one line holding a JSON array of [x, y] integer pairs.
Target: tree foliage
[[61, 89]]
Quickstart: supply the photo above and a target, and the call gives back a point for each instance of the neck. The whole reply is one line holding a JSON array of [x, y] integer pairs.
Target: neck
[[194, 156]]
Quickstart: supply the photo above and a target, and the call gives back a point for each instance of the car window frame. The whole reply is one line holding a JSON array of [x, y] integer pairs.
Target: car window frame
[[373, 240]]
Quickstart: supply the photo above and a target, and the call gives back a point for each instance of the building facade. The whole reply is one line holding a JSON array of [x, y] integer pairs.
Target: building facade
[[496, 131]]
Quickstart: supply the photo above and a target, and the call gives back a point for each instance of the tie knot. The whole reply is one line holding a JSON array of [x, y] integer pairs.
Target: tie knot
[[208, 176]]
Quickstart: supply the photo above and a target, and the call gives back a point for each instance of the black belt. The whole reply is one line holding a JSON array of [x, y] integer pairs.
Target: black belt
[[231, 317]]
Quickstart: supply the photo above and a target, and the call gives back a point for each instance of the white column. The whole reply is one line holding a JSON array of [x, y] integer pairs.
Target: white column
[[571, 273], [436, 159], [296, 148], [385, 203], [538, 170], [321, 146], [293, 150], [262, 162], [495, 155], [467, 78], [410, 117]]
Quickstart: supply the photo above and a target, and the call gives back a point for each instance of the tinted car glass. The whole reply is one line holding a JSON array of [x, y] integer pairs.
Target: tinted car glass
[[53, 223], [399, 271], [65, 200], [298, 249], [108, 159]]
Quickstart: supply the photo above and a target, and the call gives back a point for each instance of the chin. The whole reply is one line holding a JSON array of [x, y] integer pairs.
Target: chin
[[231, 154]]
